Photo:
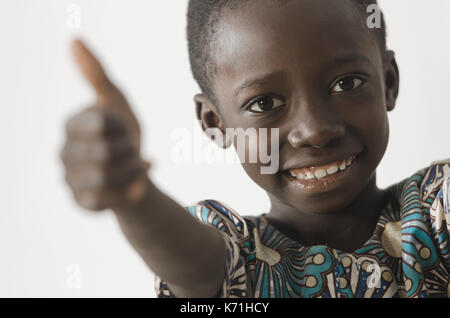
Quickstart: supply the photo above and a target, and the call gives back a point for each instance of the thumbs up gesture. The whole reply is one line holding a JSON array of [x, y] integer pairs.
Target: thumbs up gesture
[[101, 154]]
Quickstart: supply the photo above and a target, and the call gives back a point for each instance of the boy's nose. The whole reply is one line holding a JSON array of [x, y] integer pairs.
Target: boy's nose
[[317, 130]]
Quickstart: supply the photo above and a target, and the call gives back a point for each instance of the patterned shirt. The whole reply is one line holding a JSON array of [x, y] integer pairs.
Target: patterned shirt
[[408, 255]]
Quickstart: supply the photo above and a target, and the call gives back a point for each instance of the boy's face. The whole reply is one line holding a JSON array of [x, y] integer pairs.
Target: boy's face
[[298, 53]]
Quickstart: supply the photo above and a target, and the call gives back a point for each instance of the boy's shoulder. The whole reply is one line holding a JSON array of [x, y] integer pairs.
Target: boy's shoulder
[[426, 181], [221, 216], [427, 187], [435, 176]]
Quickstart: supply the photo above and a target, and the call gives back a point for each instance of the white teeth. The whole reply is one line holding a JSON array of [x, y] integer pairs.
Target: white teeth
[[320, 174], [350, 160], [309, 176], [332, 170]]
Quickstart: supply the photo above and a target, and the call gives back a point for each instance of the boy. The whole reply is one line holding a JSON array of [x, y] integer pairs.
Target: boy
[[315, 71]]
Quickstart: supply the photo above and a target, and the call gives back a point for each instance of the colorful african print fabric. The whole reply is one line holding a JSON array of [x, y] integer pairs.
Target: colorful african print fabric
[[408, 254]]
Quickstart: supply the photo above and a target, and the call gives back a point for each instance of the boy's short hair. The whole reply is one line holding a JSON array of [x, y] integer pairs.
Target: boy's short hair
[[203, 16]]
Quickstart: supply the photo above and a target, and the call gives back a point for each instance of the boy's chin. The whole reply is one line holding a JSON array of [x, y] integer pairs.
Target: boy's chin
[[319, 203]]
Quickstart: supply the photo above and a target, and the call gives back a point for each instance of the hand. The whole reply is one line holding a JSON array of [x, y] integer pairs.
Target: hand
[[101, 155]]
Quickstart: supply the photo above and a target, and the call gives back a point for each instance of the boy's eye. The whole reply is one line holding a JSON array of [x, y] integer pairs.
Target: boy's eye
[[265, 104], [347, 84]]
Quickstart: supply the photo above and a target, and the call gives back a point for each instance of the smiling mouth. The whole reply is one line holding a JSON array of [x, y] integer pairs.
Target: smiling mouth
[[323, 178]]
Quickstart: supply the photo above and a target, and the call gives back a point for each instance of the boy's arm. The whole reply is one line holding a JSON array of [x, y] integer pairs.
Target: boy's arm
[[189, 255], [104, 169]]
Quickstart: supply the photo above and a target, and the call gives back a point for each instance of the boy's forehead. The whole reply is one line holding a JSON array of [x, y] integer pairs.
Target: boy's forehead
[[266, 35]]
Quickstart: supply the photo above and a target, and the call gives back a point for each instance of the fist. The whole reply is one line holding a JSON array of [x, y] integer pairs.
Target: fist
[[101, 154]]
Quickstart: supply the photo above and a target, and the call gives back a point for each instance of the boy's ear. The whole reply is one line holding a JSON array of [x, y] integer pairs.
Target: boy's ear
[[210, 120], [392, 79]]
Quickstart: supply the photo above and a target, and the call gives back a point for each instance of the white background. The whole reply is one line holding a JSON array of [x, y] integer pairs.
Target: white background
[[45, 238]]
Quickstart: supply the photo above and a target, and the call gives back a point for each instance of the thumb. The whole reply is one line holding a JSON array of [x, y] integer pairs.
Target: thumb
[[93, 71], [107, 93]]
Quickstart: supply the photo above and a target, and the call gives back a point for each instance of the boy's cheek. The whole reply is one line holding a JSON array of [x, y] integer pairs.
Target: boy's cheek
[[374, 132], [262, 160], [366, 112], [372, 118], [249, 154]]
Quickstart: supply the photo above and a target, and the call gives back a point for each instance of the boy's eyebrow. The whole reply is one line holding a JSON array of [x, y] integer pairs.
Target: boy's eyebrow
[[258, 80], [351, 57]]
